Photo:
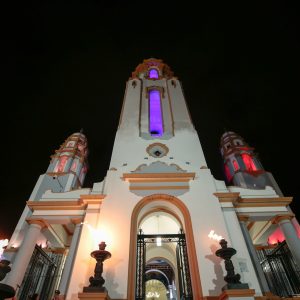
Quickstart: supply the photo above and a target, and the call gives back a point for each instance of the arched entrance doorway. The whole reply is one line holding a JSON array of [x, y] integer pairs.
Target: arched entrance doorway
[[161, 228]]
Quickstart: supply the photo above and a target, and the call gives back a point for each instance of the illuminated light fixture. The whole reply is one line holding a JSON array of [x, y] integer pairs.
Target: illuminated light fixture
[[3, 243], [214, 236], [152, 295], [158, 241]]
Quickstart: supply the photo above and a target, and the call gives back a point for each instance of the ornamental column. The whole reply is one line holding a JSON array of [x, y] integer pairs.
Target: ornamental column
[[259, 271], [290, 234], [25, 251], [65, 278]]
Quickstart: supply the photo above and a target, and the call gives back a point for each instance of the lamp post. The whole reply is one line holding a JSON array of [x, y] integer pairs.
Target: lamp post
[[97, 281], [232, 279], [6, 291]]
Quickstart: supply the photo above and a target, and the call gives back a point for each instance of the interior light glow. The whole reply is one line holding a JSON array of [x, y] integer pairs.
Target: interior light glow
[[248, 161], [155, 113], [158, 241], [153, 74], [214, 236]]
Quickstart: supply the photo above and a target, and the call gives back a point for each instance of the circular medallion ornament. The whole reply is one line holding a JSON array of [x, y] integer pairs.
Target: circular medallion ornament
[[157, 150]]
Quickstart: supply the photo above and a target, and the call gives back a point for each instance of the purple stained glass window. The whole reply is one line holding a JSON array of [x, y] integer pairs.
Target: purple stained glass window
[[155, 113], [153, 73]]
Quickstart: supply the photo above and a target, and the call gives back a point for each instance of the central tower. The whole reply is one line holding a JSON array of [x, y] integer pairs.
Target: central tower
[[155, 111]]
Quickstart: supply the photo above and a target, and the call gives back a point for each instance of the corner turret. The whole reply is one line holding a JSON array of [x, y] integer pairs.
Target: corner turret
[[67, 168], [241, 165]]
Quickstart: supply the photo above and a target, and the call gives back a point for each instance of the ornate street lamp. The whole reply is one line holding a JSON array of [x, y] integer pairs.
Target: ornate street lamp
[[6, 291], [97, 281]]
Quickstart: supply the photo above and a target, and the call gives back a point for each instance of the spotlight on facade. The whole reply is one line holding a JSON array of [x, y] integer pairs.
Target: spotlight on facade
[[97, 281]]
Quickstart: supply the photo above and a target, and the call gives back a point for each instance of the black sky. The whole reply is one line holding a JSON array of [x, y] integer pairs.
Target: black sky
[[65, 66]]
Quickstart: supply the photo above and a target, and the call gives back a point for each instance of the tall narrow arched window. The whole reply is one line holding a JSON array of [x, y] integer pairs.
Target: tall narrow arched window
[[153, 74], [155, 113], [235, 165], [248, 161], [62, 163], [227, 173]]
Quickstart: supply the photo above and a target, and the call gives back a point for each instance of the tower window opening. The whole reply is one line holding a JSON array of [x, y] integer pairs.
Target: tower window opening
[[155, 113], [153, 74], [248, 161], [62, 163], [235, 165], [227, 173]]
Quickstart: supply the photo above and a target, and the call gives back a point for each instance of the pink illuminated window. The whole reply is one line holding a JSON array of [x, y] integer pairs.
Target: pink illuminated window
[[74, 166], [62, 164], [235, 165], [153, 74], [155, 113], [248, 161]]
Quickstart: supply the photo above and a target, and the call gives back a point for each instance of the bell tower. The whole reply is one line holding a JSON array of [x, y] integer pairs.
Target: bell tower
[[155, 111], [67, 168], [241, 165]]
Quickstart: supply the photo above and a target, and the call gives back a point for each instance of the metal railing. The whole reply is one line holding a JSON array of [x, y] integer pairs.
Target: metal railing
[[281, 271]]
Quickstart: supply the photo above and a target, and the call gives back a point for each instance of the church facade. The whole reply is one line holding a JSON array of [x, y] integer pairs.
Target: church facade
[[156, 210]]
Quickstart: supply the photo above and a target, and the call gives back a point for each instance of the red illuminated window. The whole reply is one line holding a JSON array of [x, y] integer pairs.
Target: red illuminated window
[[74, 166], [248, 161], [235, 165], [62, 163]]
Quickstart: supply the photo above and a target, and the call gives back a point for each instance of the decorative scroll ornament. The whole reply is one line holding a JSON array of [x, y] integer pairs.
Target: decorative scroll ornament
[[164, 69]]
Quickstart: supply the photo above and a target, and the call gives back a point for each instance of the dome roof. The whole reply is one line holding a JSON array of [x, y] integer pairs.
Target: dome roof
[[230, 142]]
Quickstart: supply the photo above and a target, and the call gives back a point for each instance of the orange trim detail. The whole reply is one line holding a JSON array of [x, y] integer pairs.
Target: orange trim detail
[[279, 218], [159, 187], [237, 293], [158, 176], [56, 205], [191, 249], [40, 222]]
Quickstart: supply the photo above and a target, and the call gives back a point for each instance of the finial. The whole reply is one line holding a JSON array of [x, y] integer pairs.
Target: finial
[[81, 130]]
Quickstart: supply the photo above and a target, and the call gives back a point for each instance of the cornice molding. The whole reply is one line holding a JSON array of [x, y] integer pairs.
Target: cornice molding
[[57, 205], [157, 176], [237, 293], [263, 202], [278, 218], [243, 218], [41, 222], [227, 197]]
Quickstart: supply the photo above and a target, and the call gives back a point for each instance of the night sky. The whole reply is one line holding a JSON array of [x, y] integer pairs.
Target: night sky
[[65, 67]]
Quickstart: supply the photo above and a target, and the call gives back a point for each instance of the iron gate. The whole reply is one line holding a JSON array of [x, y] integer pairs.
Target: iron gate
[[41, 274], [185, 287], [281, 271]]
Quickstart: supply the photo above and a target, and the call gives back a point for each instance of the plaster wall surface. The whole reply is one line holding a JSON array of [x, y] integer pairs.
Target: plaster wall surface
[[201, 203], [84, 264], [242, 258]]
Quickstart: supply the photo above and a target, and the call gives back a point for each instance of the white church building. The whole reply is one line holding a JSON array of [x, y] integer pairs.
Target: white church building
[[156, 210]]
